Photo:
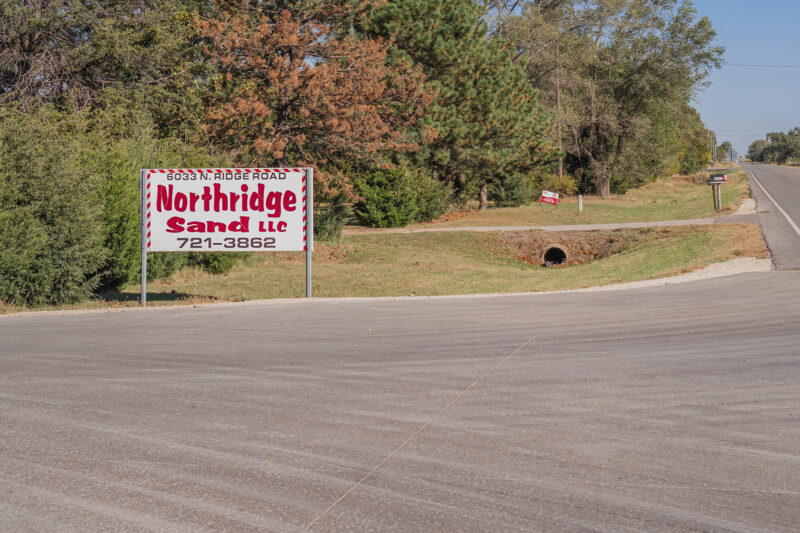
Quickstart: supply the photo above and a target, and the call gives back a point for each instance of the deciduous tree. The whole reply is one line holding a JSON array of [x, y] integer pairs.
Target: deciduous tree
[[606, 66]]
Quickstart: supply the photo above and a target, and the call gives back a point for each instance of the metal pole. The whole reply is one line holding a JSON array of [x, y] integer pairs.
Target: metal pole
[[309, 226], [143, 223], [719, 196]]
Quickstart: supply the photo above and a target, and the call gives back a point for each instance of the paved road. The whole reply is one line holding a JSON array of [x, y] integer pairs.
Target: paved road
[[673, 408], [782, 184]]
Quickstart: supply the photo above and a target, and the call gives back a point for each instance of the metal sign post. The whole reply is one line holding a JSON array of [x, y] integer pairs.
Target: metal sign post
[[143, 216], [230, 210], [309, 207]]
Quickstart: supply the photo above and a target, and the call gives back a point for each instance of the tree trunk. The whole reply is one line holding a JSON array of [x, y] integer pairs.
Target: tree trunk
[[558, 115], [605, 180], [484, 200], [604, 186], [461, 182]]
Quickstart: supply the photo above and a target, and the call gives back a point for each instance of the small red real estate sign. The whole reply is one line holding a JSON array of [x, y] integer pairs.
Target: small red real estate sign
[[549, 198]]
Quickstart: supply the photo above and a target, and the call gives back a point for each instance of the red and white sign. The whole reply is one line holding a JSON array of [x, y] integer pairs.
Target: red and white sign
[[233, 209], [549, 198]]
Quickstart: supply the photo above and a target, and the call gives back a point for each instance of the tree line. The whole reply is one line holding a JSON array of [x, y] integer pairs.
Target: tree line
[[778, 147], [404, 107]]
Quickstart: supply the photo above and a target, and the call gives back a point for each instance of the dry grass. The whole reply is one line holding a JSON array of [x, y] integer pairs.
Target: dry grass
[[449, 263], [677, 198]]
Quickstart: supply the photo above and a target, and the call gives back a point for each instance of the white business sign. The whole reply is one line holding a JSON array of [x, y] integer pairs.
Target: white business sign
[[234, 209]]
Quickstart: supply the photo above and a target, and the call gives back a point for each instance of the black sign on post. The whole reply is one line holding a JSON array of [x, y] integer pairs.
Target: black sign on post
[[717, 178]]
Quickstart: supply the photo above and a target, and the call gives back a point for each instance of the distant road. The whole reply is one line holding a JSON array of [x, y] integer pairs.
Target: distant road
[[778, 211]]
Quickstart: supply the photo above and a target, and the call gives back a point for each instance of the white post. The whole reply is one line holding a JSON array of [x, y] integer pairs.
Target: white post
[[580, 203]]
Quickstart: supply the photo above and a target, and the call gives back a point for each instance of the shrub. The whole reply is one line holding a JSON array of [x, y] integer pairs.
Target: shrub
[[123, 142], [215, 262], [565, 186], [433, 197], [23, 240], [513, 191], [388, 200], [51, 236], [330, 218], [162, 265]]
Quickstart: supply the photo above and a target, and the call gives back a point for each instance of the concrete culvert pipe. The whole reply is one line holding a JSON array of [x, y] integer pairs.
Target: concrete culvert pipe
[[554, 256]]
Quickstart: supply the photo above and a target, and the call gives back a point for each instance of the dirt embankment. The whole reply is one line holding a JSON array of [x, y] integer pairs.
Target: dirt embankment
[[537, 248]]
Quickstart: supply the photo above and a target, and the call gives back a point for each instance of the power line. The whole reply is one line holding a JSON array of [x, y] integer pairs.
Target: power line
[[761, 66]]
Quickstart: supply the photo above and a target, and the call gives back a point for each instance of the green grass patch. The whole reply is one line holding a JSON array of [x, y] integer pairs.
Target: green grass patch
[[440, 263], [677, 198]]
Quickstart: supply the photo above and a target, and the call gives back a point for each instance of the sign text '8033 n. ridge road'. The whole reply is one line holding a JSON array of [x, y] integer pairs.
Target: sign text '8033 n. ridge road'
[[239, 209]]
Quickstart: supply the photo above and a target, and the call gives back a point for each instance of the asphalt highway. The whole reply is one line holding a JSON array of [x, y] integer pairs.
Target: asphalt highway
[[777, 193], [675, 408]]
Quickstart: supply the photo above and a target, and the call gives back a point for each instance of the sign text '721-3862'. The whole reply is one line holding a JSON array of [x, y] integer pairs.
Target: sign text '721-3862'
[[225, 209]]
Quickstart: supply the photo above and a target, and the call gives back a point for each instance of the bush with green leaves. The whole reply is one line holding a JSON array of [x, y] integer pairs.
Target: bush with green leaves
[[513, 191], [331, 217], [564, 185], [388, 198], [51, 235], [122, 142], [215, 262], [433, 197], [162, 265]]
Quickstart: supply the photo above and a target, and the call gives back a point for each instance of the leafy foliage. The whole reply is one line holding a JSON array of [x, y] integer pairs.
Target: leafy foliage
[[609, 68], [432, 196], [51, 243], [513, 191], [420, 104], [777, 148], [164, 264], [485, 125], [294, 90], [69, 52], [724, 151], [119, 141], [331, 217], [215, 262], [388, 199], [756, 150], [563, 185]]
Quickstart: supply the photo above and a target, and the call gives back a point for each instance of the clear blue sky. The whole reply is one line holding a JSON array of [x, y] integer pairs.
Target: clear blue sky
[[744, 103]]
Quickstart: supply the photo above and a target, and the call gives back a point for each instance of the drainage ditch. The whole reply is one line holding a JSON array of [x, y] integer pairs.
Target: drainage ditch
[[554, 249]]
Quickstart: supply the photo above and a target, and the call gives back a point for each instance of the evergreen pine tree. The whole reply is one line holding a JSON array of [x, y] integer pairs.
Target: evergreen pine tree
[[486, 125]]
